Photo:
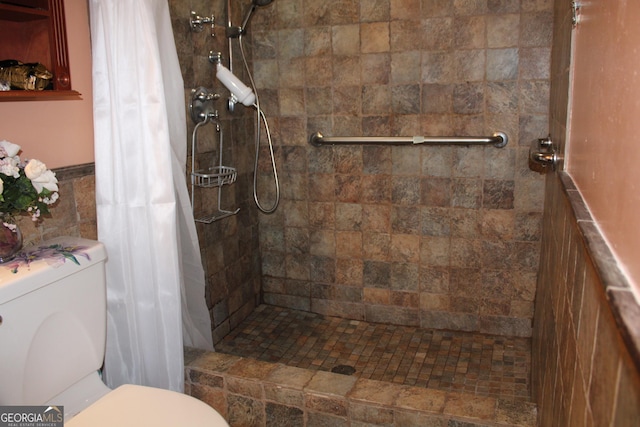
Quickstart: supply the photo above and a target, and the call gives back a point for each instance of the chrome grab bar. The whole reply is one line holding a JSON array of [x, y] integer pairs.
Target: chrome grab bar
[[499, 140]]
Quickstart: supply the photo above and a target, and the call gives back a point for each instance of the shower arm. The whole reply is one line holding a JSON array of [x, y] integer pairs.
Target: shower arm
[[238, 31]]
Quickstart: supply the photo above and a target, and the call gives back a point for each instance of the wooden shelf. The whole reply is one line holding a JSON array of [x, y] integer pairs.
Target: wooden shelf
[[17, 13], [34, 31], [38, 95]]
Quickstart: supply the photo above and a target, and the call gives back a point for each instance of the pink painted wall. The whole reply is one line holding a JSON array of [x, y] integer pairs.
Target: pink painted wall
[[603, 153], [59, 133]]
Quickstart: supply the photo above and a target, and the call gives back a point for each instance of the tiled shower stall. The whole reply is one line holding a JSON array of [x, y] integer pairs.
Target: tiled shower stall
[[438, 237], [432, 237]]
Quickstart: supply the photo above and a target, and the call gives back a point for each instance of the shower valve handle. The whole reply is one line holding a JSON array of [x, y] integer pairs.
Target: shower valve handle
[[198, 22], [203, 97]]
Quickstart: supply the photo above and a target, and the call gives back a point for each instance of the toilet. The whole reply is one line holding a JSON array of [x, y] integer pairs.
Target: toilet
[[52, 344]]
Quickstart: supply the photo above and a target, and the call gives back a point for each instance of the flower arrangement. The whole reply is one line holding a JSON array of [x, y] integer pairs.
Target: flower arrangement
[[25, 187]]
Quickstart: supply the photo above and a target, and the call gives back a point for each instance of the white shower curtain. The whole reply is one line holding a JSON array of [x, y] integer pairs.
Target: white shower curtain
[[155, 279]]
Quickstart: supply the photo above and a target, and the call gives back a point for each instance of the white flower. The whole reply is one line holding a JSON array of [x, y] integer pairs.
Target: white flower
[[51, 200], [40, 176], [17, 199], [34, 169], [9, 166], [10, 148]]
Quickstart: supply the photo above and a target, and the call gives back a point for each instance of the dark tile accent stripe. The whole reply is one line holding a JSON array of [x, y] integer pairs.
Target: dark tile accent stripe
[[75, 171]]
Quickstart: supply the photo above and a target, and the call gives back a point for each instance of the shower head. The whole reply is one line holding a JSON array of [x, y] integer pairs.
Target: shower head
[[254, 5]]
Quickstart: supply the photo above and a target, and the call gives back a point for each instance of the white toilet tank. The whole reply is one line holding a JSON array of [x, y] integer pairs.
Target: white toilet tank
[[52, 320]]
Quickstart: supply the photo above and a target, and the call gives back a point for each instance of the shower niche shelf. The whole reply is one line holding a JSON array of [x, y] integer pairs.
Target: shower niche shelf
[[214, 176]]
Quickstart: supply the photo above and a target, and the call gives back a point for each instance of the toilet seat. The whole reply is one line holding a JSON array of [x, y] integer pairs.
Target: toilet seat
[[139, 406]]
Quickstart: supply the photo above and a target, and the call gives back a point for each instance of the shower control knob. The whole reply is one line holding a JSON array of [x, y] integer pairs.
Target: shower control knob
[[203, 97], [543, 152], [200, 105], [198, 22]]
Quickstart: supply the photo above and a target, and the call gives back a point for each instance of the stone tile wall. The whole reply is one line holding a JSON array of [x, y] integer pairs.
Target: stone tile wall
[[229, 247], [253, 394], [439, 237], [75, 212]]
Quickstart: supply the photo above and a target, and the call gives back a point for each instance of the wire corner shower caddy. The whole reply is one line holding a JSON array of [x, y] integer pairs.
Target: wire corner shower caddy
[[215, 175]]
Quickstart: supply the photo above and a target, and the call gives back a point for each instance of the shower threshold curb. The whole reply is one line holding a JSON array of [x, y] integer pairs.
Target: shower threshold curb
[[250, 392]]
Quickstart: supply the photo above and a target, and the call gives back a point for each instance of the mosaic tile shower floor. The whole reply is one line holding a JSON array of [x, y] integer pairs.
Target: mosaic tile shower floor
[[469, 362]]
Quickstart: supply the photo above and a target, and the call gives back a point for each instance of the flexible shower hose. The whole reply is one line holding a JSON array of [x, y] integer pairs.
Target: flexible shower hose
[[261, 118]]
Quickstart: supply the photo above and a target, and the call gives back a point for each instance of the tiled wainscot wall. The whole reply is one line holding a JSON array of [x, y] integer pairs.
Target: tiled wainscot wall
[[75, 212], [584, 373]]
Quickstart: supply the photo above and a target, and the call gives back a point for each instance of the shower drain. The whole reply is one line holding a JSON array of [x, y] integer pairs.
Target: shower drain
[[343, 369]]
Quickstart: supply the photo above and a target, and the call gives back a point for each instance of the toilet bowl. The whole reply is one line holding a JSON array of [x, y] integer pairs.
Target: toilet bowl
[[52, 344], [135, 406]]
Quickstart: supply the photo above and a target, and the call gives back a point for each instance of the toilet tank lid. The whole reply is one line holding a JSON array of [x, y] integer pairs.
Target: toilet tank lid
[[44, 263]]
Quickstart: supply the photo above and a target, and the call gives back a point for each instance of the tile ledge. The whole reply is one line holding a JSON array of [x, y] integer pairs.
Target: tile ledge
[[504, 413], [626, 311], [75, 171], [623, 304]]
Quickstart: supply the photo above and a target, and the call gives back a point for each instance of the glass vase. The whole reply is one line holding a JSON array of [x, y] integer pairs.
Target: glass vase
[[10, 240]]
